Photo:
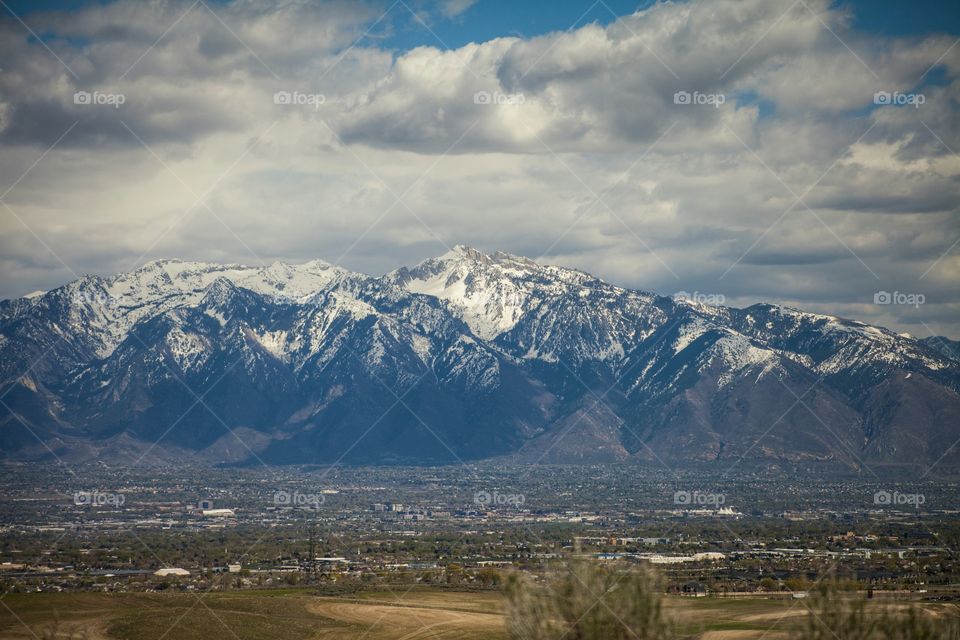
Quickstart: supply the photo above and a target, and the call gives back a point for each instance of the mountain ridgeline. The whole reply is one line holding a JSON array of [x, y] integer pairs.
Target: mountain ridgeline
[[464, 357]]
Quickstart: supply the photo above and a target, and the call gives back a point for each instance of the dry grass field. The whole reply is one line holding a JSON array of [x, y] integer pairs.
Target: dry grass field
[[381, 615]]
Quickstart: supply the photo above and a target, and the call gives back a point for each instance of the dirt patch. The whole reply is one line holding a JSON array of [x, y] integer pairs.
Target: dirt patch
[[405, 622], [773, 616]]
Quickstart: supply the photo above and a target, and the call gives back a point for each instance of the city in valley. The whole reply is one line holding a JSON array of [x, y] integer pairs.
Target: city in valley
[[390, 539]]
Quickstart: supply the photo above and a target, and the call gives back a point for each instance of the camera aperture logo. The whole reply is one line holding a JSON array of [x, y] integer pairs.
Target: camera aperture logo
[[885, 498], [98, 498], [697, 98], [298, 98], [899, 298], [297, 500], [698, 498], [99, 98], [497, 499], [898, 99]]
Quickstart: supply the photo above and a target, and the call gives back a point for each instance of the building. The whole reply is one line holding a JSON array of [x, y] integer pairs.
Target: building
[[171, 571]]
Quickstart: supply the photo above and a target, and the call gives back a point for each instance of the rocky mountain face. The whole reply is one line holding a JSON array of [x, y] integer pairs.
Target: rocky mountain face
[[466, 356]]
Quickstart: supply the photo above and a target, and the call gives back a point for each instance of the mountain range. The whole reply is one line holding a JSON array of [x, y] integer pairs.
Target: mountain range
[[466, 356]]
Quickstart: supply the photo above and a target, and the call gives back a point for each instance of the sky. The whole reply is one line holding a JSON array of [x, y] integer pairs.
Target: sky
[[802, 152]]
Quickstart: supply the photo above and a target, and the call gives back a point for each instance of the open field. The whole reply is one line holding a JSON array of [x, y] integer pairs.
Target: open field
[[433, 615], [381, 615]]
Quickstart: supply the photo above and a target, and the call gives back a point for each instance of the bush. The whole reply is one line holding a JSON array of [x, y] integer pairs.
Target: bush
[[835, 616], [585, 601], [588, 600]]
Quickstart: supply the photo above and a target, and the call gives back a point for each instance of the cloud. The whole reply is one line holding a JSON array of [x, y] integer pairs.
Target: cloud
[[455, 8], [571, 146]]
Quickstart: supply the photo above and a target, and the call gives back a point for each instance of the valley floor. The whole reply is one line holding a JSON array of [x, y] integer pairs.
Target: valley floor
[[378, 615]]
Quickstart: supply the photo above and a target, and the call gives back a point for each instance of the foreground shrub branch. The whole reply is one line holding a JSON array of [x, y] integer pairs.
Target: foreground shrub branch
[[586, 600]]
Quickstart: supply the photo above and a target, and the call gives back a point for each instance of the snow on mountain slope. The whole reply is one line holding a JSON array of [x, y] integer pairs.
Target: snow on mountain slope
[[162, 283], [493, 349], [490, 293], [534, 311], [110, 307], [830, 345]]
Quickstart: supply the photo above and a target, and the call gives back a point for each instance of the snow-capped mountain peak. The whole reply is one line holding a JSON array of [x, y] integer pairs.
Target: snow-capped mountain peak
[[175, 278], [494, 349], [488, 292], [491, 293]]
